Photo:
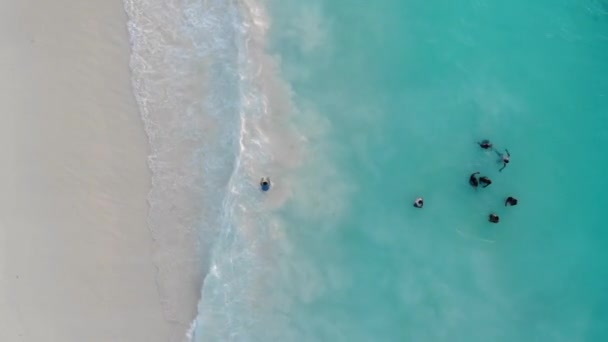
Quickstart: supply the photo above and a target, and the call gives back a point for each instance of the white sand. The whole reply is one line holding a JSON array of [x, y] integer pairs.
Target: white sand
[[75, 259]]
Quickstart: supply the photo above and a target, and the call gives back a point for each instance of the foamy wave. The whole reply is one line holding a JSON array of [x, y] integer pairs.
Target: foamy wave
[[185, 82], [216, 116], [233, 291]]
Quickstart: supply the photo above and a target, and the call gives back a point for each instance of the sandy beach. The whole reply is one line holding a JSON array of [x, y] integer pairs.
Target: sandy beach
[[76, 260]]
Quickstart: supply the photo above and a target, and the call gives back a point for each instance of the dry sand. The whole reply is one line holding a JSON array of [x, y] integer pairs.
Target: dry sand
[[75, 263]]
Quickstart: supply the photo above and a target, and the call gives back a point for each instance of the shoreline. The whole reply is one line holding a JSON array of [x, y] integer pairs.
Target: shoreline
[[77, 256]]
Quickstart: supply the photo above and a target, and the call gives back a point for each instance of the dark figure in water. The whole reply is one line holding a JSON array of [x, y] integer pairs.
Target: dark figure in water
[[473, 179], [504, 157], [485, 181], [510, 201], [485, 144], [265, 184], [419, 202], [494, 218]]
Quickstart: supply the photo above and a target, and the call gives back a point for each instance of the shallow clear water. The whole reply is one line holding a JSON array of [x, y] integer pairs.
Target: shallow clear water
[[391, 97]]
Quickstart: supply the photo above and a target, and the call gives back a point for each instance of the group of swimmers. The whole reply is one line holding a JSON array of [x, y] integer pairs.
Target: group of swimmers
[[475, 180]]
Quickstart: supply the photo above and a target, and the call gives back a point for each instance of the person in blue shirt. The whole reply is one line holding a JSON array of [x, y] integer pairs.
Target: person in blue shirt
[[265, 184]]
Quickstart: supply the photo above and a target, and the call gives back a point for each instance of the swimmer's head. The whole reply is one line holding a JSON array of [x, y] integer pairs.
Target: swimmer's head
[[419, 202]]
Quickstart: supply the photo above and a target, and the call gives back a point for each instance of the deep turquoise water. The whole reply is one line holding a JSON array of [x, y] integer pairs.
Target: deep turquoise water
[[407, 88], [354, 109]]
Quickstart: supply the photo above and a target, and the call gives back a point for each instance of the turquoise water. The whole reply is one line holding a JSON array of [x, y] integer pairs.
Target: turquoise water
[[356, 108], [408, 87]]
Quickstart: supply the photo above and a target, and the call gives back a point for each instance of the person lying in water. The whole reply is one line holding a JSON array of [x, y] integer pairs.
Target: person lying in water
[[505, 158]]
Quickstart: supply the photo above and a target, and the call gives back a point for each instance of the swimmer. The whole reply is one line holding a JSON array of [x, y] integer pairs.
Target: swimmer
[[510, 201], [265, 184], [473, 180], [485, 181], [485, 144], [494, 218], [419, 202], [504, 158]]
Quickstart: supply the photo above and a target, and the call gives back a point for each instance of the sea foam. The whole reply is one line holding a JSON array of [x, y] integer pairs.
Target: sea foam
[[217, 117]]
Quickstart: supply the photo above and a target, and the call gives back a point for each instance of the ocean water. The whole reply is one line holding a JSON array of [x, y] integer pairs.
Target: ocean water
[[354, 109]]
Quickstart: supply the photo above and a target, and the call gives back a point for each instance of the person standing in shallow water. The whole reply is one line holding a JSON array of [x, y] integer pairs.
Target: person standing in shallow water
[[482, 180], [485, 181], [473, 179], [510, 201], [485, 144], [265, 183]]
